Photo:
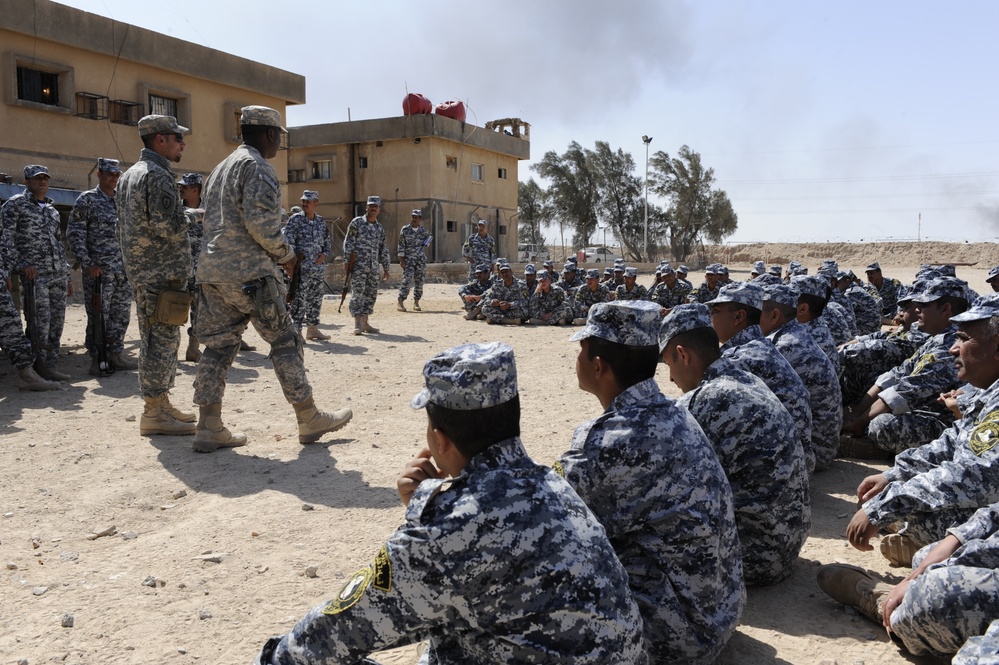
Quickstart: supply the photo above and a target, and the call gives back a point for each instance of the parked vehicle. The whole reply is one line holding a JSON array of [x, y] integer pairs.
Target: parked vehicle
[[531, 253], [599, 255]]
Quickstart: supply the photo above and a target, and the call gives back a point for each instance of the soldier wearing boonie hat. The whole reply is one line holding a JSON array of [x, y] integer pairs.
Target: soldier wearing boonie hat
[[631, 290], [626, 464], [465, 527], [90, 233], [479, 247], [365, 250], [413, 239], [309, 236]]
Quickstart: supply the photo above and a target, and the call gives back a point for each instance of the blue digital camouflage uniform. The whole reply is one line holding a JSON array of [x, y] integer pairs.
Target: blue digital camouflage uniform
[[866, 310], [481, 249], [367, 240], [890, 292], [32, 238], [753, 436], [554, 302], [819, 331], [245, 247], [585, 298], [515, 293], [981, 649], [310, 238], [667, 297], [504, 565], [91, 236], [956, 599], [942, 483], [834, 318], [911, 390], [473, 288], [152, 233], [797, 345], [839, 302], [646, 470], [638, 292], [412, 240], [873, 355], [13, 341], [751, 352], [704, 293]]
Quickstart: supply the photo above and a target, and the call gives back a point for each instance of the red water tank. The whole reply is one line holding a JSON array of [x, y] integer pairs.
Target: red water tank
[[416, 104], [455, 110]]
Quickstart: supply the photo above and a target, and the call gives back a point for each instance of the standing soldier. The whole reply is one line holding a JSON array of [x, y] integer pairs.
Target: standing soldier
[[240, 282], [364, 248], [189, 188], [91, 236], [479, 248], [412, 260], [309, 237], [31, 225], [152, 230]]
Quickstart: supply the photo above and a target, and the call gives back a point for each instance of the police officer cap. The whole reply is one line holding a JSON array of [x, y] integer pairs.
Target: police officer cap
[[160, 124], [681, 319], [592, 273], [608, 271], [573, 260], [782, 294], [416, 213], [108, 165], [873, 267], [947, 270], [775, 271], [568, 267], [759, 267], [529, 269], [469, 377], [942, 287], [261, 116], [667, 270], [32, 170], [683, 270], [190, 179], [375, 201], [481, 222], [549, 264], [310, 195], [631, 272], [618, 268], [985, 308], [544, 274], [993, 273], [744, 293], [482, 267], [631, 322], [811, 285]]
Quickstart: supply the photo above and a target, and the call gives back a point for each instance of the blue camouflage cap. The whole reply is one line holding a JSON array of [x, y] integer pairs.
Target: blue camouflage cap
[[568, 267], [871, 267], [416, 213], [985, 308], [469, 377], [723, 270], [544, 274], [608, 271], [744, 293], [947, 270], [683, 270], [190, 179], [529, 269], [828, 271], [572, 259], [631, 272], [782, 294], [592, 273], [108, 165], [631, 322], [811, 285], [310, 195], [681, 319], [667, 270], [482, 267], [797, 270], [374, 201], [759, 267], [549, 264], [942, 287], [914, 290], [32, 170], [775, 271], [793, 264], [993, 273], [618, 268]]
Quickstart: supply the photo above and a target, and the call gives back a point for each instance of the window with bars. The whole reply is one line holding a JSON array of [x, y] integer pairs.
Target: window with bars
[[91, 105], [159, 105], [478, 172], [35, 85], [321, 169], [296, 175], [124, 112]]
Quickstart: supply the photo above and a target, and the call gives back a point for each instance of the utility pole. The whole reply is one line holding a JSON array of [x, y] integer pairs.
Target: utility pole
[[646, 140]]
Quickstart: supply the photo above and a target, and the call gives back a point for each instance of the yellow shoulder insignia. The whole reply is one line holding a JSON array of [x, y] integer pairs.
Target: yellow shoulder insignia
[[924, 360], [350, 593], [557, 468], [986, 434], [382, 570]]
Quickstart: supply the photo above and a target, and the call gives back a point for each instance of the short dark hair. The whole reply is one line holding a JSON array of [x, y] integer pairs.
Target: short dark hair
[[630, 364], [753, 315], [702, 342], [253, 130], [475, 430], [789, 313], [957, 305], [147, 140], [816, 305]]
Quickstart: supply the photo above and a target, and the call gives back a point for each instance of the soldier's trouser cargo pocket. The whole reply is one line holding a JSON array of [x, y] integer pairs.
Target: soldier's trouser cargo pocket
[[172, 307]]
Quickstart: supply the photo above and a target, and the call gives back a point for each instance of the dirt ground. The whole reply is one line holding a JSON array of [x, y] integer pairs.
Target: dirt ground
[[213, 554]]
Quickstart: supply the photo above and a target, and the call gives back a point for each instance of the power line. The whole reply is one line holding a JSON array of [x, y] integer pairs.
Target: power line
[[860, 179]]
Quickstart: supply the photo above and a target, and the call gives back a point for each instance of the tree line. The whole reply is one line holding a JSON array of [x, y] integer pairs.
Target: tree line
[[590, 190]]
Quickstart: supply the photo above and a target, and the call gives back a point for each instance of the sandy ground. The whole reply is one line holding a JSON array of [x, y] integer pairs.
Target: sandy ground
[[211, 552]]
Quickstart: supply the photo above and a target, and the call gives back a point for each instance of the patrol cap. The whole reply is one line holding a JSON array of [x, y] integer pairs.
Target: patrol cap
[[993, 273], [985, 308], [190, 179], [942, 287], [759, 267], [374, 201], [811, 285], [608, 271], [631, 272], [619, 262], [775, 271], [782, 294], [262, 116], [544, 274], [160, 124], [482, 267], [32, 170], [572, 259], [682, 318], [873, 267], [529, 269], [568, 267], [797, 270], [592, 273], [947, 270], [631, 322], [108, 165], [469, 377], [481, 222], [667, 270], [723, 270], [549, 263], [828, 271], [505, 266], [793, 264], [618, 268], [830, 263], [843, 274], [744, 293], [416, 213], [310, 195], [683, 270], [916, 288]]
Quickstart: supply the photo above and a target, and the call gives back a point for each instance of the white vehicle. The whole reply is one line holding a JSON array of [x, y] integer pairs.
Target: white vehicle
[[599, 255], [530, 253]]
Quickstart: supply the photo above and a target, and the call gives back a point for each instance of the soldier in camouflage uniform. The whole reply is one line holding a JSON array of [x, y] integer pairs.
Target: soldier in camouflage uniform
[[796, 344], [479, 248], [631, 290], [531, 277], [708, 290], [735, 316], [646, 470], [32, 229], [866, 310], [365, 250], [759, 268], [681, 277], [463, 570], [670, 292], [505, 302], [90, 233], [570, 281], [888, 288], [240, 282], [981, 649], [901, 409], [189, 189], [152, 233], [753, 436], [942, 483], [309, 237], [588, 295], [812, 298], [992, 279], [471, 293], [548, 304], [412, 259]]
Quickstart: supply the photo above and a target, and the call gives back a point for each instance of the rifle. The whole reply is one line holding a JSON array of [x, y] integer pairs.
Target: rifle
[[31, 321], [296, 278], [99, 334], [346, 281]]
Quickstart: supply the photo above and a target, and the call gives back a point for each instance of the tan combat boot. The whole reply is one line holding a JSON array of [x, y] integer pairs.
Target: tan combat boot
[[899, 549], [157, 420], [358, 325], [854, 587], [123, 362], [416, 305], [182, 416], [312, 332], [313, 423], [31, 381], [212, 434], [193, 353], [50, 373], [366, 327], [400, 305]]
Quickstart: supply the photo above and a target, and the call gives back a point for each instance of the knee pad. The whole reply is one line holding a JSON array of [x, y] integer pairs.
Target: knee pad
[[290, 343], [222, 355]]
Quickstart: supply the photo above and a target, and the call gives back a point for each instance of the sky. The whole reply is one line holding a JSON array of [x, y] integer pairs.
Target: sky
[[848, 121]]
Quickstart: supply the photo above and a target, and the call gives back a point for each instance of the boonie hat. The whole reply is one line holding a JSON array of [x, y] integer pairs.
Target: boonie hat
[[631, 322], [469, 377]]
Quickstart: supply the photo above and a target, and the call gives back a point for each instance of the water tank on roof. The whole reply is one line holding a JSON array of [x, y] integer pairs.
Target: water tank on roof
[[416, 104], [455, 110]]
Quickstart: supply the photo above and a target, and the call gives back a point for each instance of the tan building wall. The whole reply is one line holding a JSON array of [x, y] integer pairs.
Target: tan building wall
[[423, 162]]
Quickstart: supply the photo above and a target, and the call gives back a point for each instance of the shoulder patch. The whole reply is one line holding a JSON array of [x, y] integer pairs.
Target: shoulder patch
[[921, 364], [167, 200], [382, 570], [557, 468], [985, 435], [350, 593]]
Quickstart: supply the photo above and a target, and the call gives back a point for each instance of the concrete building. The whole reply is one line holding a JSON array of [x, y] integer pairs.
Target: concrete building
[[455, 172]]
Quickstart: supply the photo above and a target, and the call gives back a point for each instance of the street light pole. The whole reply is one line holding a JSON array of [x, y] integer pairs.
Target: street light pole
[[646, 140]]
